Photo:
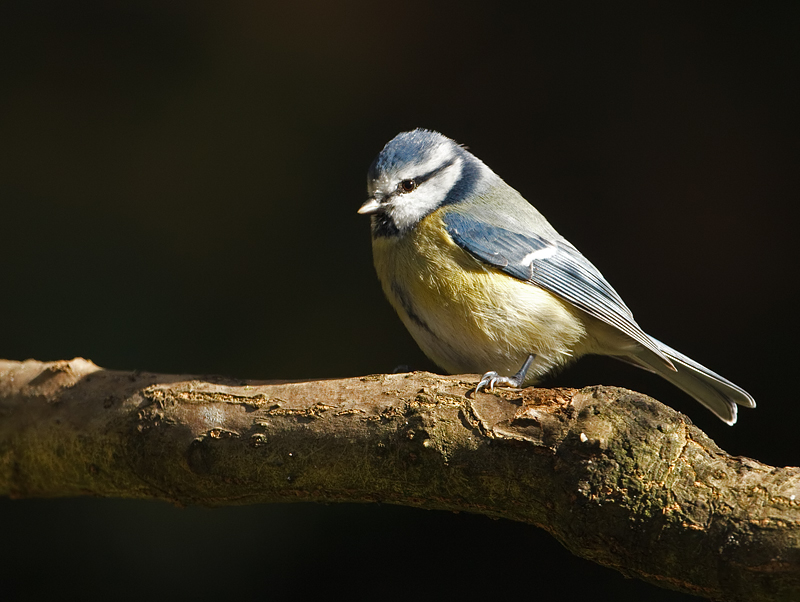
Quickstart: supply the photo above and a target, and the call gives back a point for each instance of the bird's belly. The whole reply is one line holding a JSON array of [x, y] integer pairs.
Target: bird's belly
[[469, 317]]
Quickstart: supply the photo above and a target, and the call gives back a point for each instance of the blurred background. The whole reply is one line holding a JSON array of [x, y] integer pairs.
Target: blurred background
[[178, 192]]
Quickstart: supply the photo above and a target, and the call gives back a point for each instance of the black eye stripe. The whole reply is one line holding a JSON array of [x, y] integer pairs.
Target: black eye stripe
[[424, 177], [427, 176]]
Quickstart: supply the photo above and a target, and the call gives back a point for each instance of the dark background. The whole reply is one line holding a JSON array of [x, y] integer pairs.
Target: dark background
[[178, 193]]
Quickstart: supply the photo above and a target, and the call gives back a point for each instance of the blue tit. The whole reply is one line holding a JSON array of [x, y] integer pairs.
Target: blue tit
[[483, 282]]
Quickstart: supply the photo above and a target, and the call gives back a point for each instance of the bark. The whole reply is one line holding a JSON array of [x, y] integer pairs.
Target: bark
[[615, 476]]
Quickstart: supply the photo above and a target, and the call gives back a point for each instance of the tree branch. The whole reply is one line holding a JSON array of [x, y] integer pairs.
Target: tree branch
[[615, 476]]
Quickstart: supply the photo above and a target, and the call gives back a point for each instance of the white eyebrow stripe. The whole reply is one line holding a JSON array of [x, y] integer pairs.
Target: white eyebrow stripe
[[545, 253], [440, 155]]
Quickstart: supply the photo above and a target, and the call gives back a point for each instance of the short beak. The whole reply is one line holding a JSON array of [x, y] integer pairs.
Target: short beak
[[370, 207]]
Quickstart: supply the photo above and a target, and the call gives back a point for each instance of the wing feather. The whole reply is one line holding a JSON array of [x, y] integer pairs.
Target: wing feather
[[554, 265]]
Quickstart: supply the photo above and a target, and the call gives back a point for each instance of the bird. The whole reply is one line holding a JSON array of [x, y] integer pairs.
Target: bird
[[484, 283]]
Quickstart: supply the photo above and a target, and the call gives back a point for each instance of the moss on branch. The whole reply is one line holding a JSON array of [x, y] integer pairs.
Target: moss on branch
[[614, 475]]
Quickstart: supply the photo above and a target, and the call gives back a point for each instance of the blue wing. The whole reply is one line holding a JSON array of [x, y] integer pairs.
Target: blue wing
[[554, 265]]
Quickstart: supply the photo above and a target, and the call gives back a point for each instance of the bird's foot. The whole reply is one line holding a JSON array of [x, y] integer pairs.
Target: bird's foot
[[492, 379]]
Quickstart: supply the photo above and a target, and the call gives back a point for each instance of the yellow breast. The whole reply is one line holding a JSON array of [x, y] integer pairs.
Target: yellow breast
[[470, 317]]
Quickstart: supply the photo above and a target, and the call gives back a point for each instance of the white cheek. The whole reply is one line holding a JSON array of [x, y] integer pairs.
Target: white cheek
[[439, 186], [412, 207]]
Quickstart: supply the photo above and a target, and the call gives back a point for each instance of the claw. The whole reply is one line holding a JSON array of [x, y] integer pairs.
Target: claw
[[488, 381], [492, 379]]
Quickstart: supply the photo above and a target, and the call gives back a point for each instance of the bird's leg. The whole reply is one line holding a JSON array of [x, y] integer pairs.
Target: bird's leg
[[490, 380]]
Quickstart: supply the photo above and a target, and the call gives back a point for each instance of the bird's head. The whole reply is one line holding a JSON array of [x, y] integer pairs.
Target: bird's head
[[416, 173]]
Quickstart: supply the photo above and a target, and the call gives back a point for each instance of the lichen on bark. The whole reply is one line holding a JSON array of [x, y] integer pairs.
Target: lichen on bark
[[614, 475]]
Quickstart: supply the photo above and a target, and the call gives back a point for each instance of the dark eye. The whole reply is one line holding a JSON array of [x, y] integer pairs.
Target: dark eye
[[406, 186]]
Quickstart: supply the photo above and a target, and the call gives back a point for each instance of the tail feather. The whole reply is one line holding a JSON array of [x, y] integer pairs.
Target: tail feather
[[715, 392]]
